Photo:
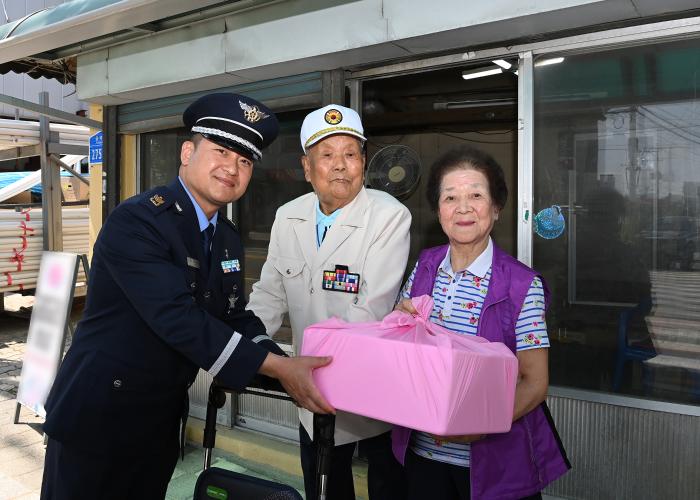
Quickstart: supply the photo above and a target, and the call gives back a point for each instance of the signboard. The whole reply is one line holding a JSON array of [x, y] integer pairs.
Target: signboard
[[47, 327], [95, 158]]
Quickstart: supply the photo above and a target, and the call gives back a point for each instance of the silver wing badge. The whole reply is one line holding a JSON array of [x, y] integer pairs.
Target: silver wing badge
[[252, 113]]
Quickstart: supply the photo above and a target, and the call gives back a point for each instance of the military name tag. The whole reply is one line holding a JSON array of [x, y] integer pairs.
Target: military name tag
[[192, 262], [229, 266], [341, 280]]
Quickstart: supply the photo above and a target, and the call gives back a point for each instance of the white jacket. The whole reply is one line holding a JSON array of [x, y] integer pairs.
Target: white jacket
[[371, 237]]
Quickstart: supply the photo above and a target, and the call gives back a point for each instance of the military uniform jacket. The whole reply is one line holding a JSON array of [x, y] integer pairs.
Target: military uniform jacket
[[153, 316], [371, 236]]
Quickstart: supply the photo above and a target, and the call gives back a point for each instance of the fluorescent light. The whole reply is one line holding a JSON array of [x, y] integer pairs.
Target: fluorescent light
[[478, 73], [547, 62], [502, 63], [474, 103]]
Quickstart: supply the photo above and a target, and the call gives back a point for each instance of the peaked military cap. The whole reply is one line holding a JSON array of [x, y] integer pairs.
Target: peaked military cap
[[233, 121]]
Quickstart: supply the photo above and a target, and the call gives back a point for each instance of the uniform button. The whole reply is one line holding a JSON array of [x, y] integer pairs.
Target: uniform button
[[117, 383], [193, 285], [354, 301], [207, 295], [289, 271], [311, 291]]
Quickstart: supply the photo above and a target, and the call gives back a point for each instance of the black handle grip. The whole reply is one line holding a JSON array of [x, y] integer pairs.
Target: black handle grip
[[217, 398]]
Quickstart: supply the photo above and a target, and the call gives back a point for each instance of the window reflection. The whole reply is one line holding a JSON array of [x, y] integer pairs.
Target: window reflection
[[617, 147], [160, 156]]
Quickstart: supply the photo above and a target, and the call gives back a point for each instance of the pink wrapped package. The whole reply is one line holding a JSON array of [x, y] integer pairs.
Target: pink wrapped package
[[408, 371]]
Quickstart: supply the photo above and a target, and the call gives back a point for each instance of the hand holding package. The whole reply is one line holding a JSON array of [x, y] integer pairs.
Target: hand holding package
[[408, 371]]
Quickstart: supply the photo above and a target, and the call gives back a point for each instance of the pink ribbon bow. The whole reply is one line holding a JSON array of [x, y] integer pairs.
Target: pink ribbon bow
[[424, 330], [405, 327]]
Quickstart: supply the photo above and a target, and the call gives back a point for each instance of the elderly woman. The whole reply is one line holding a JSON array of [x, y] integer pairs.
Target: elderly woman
[[480, 290]]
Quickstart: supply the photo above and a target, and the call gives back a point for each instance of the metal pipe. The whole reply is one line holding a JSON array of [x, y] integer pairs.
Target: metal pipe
[[69, 169], [45, 111], [50, 184]]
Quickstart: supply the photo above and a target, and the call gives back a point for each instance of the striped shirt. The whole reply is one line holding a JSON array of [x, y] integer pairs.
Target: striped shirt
[[458, 299]]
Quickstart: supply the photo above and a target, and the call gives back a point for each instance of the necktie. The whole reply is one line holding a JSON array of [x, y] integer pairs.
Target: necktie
[[207, 236], [323, 236]]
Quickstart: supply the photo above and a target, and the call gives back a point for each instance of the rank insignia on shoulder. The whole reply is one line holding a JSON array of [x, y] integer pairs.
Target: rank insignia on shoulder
[[341, 280], [229, 266], [157, 200]]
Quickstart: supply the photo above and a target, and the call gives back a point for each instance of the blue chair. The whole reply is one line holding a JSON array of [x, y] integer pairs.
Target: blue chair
[[632, 351]]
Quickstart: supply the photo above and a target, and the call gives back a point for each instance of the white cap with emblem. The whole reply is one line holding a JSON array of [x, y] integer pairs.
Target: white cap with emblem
[[330, 120]]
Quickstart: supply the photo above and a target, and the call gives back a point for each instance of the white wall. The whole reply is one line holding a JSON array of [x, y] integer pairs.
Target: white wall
[[61, 97], [297, 36]]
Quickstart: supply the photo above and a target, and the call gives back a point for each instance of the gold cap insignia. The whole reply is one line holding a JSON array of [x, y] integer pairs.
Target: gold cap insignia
[[333, 116], [252, 113], [157, 200]]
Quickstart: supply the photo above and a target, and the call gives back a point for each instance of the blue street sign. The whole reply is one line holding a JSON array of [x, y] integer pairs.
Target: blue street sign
[[95, 149]]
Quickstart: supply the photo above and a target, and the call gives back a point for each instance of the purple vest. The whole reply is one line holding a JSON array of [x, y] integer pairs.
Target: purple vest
[[524, 460]]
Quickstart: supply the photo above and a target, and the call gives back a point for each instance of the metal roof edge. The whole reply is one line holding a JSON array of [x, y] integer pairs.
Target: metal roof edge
[[89, 23]]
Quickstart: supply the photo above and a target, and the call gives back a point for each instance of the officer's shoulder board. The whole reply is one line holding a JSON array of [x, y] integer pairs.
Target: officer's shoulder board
[[158, 199]]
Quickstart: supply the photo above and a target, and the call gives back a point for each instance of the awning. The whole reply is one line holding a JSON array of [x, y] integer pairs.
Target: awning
[[63, 71], [33, 44]]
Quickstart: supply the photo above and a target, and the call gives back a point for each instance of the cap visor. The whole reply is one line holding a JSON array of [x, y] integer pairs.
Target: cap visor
[[231, 146]]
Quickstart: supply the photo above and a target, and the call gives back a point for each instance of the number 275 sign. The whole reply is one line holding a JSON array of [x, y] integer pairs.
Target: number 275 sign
[[95, 149]]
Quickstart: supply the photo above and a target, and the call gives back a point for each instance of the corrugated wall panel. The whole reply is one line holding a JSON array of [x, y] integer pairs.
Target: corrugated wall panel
[[272, 416], [619, 452], [272, 411]]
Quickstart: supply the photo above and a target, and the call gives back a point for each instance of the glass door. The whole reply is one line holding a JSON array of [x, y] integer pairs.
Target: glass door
[[616, 155]]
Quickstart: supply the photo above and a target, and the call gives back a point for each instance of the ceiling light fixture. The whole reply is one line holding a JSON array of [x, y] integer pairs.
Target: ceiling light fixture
[[502, 63], [478, 73], [547, 62], [474, 103]]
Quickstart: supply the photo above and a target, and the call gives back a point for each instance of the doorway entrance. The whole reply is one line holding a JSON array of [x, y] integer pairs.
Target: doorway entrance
[[410, 120]]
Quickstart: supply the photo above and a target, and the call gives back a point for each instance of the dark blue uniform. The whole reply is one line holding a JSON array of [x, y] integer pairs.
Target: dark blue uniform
[[155, 313]]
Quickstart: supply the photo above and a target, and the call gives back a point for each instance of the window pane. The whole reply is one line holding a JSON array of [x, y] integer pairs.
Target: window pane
[[277, 179], [617, 145], [160, 157]]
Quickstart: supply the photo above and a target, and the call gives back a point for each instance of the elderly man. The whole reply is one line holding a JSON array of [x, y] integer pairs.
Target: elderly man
[[164, 299], [340, 226]]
